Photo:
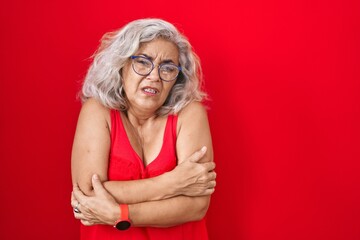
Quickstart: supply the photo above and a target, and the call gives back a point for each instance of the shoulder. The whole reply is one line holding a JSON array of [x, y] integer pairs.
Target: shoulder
[[93, 111], [193, 114], [94, 105], [192, 111]]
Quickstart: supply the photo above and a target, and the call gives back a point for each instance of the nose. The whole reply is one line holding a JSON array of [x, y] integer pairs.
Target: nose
[[154, 74]]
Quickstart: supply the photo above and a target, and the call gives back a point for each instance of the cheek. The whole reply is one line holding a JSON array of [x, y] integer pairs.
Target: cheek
[[127, 75], [130, 81]]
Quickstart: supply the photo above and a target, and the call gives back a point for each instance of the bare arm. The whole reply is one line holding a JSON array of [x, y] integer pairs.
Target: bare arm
[[168, 212], [102, 208], [193, 133], [90, 155], [190, 178]]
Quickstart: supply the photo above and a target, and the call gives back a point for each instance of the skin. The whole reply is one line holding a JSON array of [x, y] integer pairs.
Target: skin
[[176, 197]]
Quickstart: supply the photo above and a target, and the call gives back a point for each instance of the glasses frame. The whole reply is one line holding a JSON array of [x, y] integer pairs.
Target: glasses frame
[[153, 66]]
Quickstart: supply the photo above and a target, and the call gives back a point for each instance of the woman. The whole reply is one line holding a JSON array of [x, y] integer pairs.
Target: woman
[[142, 153]]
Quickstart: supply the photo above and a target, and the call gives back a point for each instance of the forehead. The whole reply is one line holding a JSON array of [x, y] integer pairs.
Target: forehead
[[160, 49]]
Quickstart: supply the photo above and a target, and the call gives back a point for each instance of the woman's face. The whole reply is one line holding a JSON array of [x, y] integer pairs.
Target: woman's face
[[148, 93]]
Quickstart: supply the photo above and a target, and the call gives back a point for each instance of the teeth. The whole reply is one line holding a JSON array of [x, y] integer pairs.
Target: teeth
[[149, 90]]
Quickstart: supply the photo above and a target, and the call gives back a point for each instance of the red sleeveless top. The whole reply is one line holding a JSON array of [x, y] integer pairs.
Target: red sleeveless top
[[125, 164]]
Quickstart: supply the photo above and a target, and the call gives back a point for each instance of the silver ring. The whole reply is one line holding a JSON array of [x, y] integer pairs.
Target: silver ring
[[76, 209]]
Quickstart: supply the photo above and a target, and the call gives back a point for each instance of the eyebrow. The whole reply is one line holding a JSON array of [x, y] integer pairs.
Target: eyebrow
[[164, 61]]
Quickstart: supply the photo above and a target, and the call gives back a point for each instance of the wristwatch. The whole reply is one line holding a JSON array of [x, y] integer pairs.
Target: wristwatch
[[124, 222]]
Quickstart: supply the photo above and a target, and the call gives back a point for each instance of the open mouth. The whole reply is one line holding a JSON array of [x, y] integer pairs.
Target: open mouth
[[151, 91]]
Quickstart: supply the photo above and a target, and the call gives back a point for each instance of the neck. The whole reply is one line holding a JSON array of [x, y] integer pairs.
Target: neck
[[138, 119]]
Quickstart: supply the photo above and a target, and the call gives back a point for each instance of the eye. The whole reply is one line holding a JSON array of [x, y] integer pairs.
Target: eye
[[168, 68], [143, 61]]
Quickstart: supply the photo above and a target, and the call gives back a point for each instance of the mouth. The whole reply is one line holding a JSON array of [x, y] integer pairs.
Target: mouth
[[150, 90]]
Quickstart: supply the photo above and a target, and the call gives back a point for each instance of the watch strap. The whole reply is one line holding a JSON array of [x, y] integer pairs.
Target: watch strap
[[124, 208]]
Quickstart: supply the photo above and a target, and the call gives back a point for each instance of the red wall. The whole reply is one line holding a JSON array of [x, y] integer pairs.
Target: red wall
[[285, 110]]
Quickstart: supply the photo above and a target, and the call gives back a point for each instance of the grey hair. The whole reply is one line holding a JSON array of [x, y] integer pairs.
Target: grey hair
[[104, 82]]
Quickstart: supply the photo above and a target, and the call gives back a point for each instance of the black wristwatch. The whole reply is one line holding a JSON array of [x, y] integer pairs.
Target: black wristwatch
[[124, 222]]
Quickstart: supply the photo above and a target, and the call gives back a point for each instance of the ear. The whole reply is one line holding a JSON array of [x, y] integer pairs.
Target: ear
[[120, 72]]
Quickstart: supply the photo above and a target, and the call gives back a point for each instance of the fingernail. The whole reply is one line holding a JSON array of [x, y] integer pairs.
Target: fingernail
[[203, 149], [95, 177]]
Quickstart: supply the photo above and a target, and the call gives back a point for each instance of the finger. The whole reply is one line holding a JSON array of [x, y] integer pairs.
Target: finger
[[198, 154], [77, 215], [97, 185], [72, 200], [79, 195], [212, 184], [90, 222], [86, 223], [209, 191], [209, 166], [212, 175], [78, 208]]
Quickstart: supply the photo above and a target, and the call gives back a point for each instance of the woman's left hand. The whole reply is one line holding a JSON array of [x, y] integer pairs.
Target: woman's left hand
[[100, 208]]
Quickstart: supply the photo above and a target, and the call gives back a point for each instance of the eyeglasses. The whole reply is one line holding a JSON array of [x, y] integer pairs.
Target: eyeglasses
[[144, 66]]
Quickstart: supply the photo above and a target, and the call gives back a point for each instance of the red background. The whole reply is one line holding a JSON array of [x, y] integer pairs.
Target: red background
[[284, 81]]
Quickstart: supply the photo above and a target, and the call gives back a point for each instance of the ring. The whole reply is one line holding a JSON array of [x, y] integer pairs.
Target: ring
[[76, 209]]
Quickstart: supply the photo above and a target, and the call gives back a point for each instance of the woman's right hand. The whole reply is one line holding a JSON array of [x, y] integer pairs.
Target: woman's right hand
[[194, 178], [99, 208]]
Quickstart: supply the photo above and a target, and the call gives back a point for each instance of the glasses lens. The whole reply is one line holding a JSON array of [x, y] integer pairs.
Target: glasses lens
[[142, 66], [168, 72]]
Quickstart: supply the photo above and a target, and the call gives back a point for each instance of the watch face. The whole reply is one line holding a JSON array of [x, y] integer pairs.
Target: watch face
[[123, 225]]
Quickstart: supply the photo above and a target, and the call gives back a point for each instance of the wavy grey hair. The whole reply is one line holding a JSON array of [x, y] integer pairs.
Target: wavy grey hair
[[104, 82]]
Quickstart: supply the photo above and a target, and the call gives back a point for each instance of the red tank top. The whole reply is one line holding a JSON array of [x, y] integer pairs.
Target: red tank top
[[125, 164]]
